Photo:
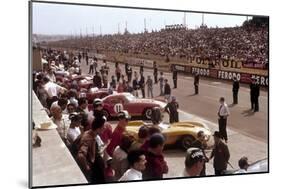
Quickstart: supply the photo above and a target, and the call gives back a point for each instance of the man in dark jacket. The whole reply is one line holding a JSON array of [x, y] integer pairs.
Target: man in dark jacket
[[97, 80], [175, 78], [156, 165], [220, 153], [141, 84], [172, 109], [256, 94], [167, 90], [196, 83], [235, 89], [155, 73]]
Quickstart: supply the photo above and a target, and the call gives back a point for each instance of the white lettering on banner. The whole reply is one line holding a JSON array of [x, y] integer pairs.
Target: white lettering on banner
[[179, 68], [201, 71], [118, 107], [261, 80], [140, 62], [228, 75]]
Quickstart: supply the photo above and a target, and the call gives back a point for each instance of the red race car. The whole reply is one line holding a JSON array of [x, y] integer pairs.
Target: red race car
[[94, 93], [115, 103], [78, 82]]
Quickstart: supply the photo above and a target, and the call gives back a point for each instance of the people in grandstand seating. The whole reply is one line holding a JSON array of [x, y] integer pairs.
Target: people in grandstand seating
[[235, 89]]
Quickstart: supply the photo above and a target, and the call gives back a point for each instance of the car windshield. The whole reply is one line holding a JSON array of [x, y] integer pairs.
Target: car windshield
[[130, 97], [164, 125]]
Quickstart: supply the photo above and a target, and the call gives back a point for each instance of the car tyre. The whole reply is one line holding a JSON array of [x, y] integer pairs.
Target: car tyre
[[186, 141]]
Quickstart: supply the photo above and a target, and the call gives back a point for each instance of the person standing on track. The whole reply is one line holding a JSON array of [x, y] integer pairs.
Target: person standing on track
[[220, 153], [167, 90], [118, 72], [155, 72], [256, 94], [175, 77], [161, 84], [235, 89], [196, 82], [142, 84], [223, 113], [130, 72], [149, 84], [172, 109]]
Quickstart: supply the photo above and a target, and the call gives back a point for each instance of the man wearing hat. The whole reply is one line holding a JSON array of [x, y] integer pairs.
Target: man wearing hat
[[75, 127], [106, 132], [220, 153], [88, 156], [172, 109], [194, 162], [123, 117]]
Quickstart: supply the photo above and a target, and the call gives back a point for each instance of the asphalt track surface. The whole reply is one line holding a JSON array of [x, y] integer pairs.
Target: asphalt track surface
[[206, 104]]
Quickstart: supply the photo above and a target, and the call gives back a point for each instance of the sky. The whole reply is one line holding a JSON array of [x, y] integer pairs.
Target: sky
[[53, 19]]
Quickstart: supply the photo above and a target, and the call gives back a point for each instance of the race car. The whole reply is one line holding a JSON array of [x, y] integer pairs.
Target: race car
[[78, 81], [182, 134], [115, 103], [94, 93]]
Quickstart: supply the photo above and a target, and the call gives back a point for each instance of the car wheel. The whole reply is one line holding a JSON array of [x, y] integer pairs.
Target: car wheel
[[147, 114], [186, 141]]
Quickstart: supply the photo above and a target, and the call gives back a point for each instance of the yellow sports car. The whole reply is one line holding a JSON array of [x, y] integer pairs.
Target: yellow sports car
[[181, 133]]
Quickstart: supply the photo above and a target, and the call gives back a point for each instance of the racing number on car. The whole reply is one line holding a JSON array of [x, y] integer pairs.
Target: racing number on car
[[118, 107]]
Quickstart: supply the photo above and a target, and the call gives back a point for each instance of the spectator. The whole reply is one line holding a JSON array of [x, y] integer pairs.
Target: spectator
[[243, 165], [74, 129], [137, 163], [88, 156], [156, 166], [172, 109], [119, 158], [123, 117], [194, 162]]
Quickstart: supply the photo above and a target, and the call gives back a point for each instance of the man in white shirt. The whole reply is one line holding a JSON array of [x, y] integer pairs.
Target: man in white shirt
[[137, 161], [223, 113], [52, 90]]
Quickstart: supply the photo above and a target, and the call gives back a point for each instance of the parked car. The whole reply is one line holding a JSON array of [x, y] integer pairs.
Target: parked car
[[126, 101], [180, 133]]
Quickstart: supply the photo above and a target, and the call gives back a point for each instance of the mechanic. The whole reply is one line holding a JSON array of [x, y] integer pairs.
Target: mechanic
[[220, 153], [172, 109], [123, 117], [194, 162], [223, 113], [235, 89]]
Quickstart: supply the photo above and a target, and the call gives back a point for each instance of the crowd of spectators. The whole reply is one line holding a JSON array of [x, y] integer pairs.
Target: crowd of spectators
[[243, 43]]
